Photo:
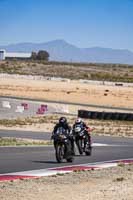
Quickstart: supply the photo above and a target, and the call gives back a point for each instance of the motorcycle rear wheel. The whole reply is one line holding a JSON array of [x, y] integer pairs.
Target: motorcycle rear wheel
[[88, 151]]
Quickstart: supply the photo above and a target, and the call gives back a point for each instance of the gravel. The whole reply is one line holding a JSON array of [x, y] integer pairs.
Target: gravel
[[112, 183]]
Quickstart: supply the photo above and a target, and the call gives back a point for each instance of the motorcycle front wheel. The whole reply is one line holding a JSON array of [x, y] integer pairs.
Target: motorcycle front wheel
[[79, 145], [70, 159], [59, 153], [69, 153]]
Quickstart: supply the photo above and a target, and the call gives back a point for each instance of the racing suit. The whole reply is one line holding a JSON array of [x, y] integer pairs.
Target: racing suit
[[68, 131]]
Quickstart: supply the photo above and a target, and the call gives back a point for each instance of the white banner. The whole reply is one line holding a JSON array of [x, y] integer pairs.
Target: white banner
[[20, 109], [6, 104]]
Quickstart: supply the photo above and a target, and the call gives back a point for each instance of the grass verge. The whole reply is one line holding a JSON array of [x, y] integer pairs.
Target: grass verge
[[101, 127], [8, 141]]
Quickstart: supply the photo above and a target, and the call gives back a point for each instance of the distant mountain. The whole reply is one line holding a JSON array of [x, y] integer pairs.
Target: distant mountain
[[60, 50]]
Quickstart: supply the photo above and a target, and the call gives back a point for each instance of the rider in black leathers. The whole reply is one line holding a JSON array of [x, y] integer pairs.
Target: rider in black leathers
[[64, 124]]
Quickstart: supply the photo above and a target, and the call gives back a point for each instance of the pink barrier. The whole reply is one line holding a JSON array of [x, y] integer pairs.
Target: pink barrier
[[42, 109], [25, 105]]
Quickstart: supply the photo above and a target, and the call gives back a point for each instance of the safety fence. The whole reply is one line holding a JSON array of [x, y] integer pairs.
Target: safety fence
[[14, 108], [105, 115]]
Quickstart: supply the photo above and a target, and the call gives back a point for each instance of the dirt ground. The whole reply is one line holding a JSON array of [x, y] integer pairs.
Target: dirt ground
[[72, 91], [112, 183]]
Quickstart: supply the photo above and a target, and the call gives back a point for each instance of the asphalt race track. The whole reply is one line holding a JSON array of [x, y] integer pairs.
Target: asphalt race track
[[15, 159]]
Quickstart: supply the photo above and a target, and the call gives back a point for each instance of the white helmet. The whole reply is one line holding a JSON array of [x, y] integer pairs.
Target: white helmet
[[78, 121]]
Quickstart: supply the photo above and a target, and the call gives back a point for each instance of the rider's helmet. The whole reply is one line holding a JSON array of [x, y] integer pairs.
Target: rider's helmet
[[62, 120], [78, 121]]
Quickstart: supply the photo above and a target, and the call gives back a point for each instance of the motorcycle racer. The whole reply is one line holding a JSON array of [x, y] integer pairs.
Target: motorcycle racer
[[64, 124], [83, 126]]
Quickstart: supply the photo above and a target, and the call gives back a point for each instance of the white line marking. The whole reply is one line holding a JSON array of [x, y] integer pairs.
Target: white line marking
[[110, 145], [99, 145]]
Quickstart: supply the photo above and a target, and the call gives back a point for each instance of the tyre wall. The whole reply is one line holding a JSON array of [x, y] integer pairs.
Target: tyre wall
[[105, 115]]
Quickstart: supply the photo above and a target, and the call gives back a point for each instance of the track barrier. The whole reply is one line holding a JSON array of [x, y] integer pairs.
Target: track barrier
[[25, 105], [42, 109], [61, 109], [20, 109], [6, 104], [105, 115]]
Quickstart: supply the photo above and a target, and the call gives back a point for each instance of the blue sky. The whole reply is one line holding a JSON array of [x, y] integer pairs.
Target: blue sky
[[84, 23]]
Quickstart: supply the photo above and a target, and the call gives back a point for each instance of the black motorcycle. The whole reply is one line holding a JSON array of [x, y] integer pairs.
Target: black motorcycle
[[62, 145], [82, 140]]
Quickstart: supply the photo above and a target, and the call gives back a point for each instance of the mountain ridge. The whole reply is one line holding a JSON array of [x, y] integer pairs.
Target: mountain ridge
[[60, 50]]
